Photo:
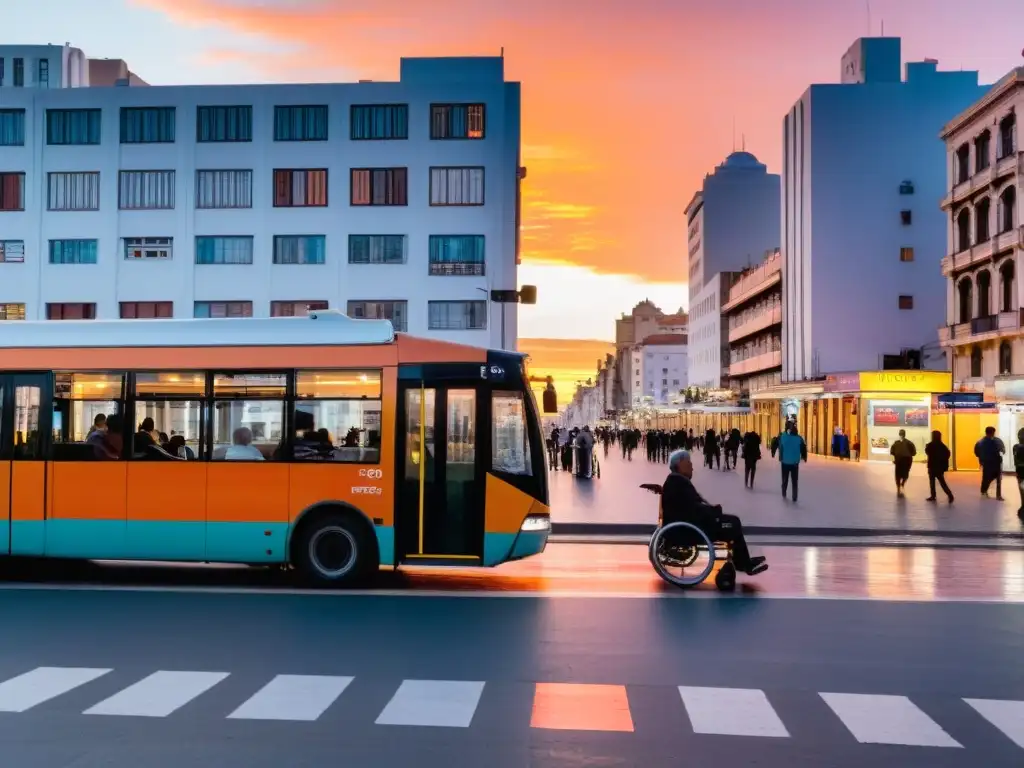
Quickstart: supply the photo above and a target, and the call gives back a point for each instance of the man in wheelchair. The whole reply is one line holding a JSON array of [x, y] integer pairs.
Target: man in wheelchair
[[680, 503]]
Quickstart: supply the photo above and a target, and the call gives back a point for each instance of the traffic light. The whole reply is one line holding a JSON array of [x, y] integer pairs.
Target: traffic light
[[550, 397], [528, 294]]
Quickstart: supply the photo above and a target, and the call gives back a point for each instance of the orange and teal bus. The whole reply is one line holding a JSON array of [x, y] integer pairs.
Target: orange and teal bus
[[325, 443]]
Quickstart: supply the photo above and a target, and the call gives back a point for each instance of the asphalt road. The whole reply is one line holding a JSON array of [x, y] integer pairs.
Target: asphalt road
[[94, 677]]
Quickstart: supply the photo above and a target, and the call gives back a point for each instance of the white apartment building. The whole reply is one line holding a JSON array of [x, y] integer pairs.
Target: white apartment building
[[42, 66], [396, 200], [732, 220], [660, 370], [708, 354], [863, 176]]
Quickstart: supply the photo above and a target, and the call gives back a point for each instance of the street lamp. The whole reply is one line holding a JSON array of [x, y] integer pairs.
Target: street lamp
[[525, 295]]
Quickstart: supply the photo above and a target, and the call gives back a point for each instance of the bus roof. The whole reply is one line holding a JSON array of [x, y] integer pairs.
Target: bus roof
[[319, 328]]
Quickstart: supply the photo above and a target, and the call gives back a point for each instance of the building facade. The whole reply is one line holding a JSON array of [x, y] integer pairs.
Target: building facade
[[984, 328], [708, 355], [660, 370], [644, 320], [43, 66], [753, 314], [732, 220], [862, 181], [396, 200]]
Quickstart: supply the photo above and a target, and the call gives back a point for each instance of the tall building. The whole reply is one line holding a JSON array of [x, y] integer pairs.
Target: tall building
[[753, 316], [733, 220], [397, 200], [861, 225], [630, 330], [984, 328], [708, 358]]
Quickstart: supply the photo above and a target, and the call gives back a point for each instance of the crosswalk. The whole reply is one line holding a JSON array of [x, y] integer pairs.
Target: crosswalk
[[740, 712]]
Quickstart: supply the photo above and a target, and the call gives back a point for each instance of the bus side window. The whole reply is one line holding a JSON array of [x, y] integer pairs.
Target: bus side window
[[87, 408], [248, 416], [337, 416], [510, 442]]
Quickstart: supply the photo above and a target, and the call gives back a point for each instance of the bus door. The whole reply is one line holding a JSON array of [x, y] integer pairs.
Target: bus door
[[22, 464], [440, 498]]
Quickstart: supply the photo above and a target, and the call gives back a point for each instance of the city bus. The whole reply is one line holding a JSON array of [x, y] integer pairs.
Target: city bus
[[324, 443]]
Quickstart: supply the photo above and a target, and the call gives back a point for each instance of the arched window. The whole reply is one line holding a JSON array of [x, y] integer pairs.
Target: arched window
[[981, 150], [984, 280], [1007, 136], [963, 230], [1006, 287], [966, 289], [1005, 358], [1007, 209], [962, 164], [976, 363], [982, 214]]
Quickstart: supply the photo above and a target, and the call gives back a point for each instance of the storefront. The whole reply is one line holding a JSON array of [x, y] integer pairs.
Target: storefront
[[969, 416], [1010, 411]]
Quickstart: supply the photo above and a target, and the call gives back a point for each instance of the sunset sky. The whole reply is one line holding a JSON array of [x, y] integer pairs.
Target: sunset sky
[[626, 103]]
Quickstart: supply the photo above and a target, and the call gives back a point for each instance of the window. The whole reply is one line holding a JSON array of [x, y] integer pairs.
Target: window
[[12, 311], [222, 309], [300, 123], [906, 302], [248, 416], [906, 187], [73, 191], [1007, 131], [457, 121], [510, 444], [456, 255], [148, 247], [12, 191], [223, 189], [379, 186], [456, 186], [73, 126], [337, 416], [223, 124], [73, 251], [12, 251], [1006, 274], [295, 308], [151, 190], [174, 403], [1, 70], [300, 249], [906, 254], [147, 125], [380, 121], [376, 249], [457, 315], [966, 291], [231, 249], [962, 164], [963, 230], [19, 73], [984, 280], [146, 310], [300, 188], [70, 311], [1007, 209], [1005, 359], [906, 218], [395, 311], [86, 408], [12, 127], [982, 213], [976, 363], [981, 151], [44, 73]]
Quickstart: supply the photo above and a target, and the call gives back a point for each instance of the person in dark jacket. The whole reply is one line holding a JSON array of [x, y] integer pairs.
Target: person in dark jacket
[[938, 465], [1018, 468], [680, 502], [840, 444], [751, 455], [712, 450], [903, 452], [990, 450]]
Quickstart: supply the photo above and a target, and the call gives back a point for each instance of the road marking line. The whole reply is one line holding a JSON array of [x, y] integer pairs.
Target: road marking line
[[158, 695], [25, 691], [1007, 716], [731, 712], [439, 703], [576, 707], [293, 697], [881, 719]]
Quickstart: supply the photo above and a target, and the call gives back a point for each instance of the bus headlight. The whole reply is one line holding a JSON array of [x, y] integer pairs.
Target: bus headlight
[[536, 523]]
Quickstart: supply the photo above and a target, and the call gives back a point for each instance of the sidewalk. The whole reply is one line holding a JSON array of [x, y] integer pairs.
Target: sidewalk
[[836, 498]]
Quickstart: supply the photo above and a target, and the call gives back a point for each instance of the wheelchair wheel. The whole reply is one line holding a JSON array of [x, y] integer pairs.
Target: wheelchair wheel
[[682, 554], [725, 579]]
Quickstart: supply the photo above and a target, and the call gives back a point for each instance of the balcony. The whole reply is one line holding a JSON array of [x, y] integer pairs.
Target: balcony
[[1004, 166], [982, 252], [461, 268], [757, 363], [755, 282], [982, 329], [759, 322]]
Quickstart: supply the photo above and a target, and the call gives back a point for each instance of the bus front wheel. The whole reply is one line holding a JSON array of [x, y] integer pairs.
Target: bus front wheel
[[334, 550]]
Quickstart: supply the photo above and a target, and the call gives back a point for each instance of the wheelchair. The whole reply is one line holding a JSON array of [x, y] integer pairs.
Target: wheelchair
[[684, 556]]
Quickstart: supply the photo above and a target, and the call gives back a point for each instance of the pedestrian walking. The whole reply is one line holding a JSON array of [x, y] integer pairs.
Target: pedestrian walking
[[792, 450], [1018, 468], [840, 445], [990, 450], [903, 452], [938, 464], [751, 455]]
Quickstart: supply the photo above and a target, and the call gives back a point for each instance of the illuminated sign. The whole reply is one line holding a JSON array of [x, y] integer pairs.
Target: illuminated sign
[[906, 381]]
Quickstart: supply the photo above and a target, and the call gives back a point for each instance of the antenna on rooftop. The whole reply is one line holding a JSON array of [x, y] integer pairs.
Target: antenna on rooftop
[[503, 51], [743, 140], [734, 133]]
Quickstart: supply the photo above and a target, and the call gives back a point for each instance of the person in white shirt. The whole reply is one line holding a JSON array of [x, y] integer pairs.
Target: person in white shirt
[[242, 448]]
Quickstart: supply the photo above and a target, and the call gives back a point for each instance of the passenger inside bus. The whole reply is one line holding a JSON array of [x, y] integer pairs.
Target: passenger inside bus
[[241, 448]]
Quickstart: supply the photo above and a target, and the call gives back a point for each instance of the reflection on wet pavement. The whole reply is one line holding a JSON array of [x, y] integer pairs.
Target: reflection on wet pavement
[[841, 572]]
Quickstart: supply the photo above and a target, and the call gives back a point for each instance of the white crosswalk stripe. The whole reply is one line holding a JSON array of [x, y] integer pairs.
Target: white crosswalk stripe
[[1007, 716], [25, 691], [731, 712], [878, 719], [158, 695], [447, 703], [293, 697]]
